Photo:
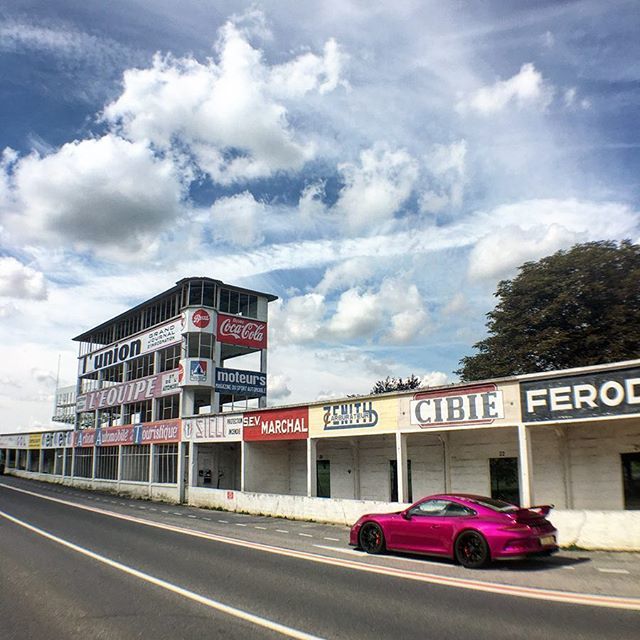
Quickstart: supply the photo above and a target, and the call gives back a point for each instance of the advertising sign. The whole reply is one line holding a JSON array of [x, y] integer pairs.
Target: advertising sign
[[276, 424], [128, 392], [242, 331], [196, 371], [131, 348], [198, 320], [481, 404], [591, 395], [356, 413], [57, 439], [251, 383], [35, 440], [213, 428], [162, 431]]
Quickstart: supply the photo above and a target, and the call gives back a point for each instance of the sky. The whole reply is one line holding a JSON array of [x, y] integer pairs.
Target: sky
[[379, 166]]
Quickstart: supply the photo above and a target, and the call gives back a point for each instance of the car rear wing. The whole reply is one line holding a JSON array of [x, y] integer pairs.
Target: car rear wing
[[542, 510]]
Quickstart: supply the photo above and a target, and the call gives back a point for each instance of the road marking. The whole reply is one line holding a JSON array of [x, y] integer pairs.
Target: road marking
[[282, 531], [224, 521], [174, 588], [363, 555], [239, 524], [192, 516], [587, 599], [624, 571], [569, 568], [263, 528], [209, 519], [306, 535], [333, 539]]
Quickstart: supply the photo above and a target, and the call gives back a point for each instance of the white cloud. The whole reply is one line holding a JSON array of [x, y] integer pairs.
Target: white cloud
[[526, 88], [434, 379], [229, 113], [239, 220], [105, 193], [21, 281], [346, 274], [375, 188], [278, 388], [447, 165], [532, 229], [298, 321]]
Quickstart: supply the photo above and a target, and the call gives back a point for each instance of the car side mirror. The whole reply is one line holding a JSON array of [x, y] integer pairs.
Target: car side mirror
[[406, 514]]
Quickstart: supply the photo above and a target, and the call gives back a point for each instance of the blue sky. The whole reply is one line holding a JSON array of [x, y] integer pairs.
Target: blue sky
[[378, 166]]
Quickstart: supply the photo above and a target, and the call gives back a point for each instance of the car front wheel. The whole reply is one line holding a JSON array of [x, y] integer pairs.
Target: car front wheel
[[472, 550], [372, 538]]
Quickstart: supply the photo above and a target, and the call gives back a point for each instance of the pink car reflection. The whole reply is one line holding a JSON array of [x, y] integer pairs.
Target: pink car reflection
[[472, 530]]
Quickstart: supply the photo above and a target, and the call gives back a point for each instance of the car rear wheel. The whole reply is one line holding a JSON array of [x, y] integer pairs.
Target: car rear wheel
[[472, 550], [372, 538]]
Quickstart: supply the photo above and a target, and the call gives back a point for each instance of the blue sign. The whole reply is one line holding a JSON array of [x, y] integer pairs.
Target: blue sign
[[235, 381]]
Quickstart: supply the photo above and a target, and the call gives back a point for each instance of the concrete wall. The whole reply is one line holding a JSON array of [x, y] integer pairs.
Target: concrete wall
[[278, 467]]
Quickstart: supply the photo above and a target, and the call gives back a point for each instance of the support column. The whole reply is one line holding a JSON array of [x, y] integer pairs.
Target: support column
[[243, 465], [446, 460], [312, 468], [217, 362], [525, 467], [355, 457], [40, 460], [152, 451], [94, 460], [563, 435], [262, 402], [193, 465], [182, 450], [401, 465]]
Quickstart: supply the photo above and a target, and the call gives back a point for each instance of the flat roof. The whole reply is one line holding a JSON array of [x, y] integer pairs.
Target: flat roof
[[86, 334]]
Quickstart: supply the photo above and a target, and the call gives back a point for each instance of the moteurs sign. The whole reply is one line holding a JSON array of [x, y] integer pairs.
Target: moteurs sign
[[277, 424], [237, 381], [242, 331], [481, 404], [591, 395]]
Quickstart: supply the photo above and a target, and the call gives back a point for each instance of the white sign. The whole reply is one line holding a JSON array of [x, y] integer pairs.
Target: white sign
[[213, 428]]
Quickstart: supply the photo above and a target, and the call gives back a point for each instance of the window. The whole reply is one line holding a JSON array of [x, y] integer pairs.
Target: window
[[455, 509], [200, 345], [140, 367], [87, 419], [393, 478], [68, 461], [59, 462], [169, 358], [109, 417], [11, 458], [168, 407], [135, 463], [107, 463], [165, 463], [48, 459], [22, 459], [113, 375], [238, 304], [430, 508], [323, 475], [33, 460], [631, 479], [83, 464], [505, 483], [137, 412], [201, 398]]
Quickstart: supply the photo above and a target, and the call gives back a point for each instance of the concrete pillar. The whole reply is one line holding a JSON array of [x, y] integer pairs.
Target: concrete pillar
[[401, 464], [243, 465], [312, 468], [182, 455], [567, 481], [262, 402], [446, 460], [355, 456], [193, 465], [525, 467], [217, 362]]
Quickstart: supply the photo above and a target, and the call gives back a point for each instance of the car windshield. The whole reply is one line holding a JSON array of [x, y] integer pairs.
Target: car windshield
[[496, 505]]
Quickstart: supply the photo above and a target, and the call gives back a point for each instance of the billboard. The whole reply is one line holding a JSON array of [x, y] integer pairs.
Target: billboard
[[237, 381], [128, 392], [213, 428], [354, 416], [242, 331], [161, 431], [276, 424], [198, 320], [588, 395], [196, 371]]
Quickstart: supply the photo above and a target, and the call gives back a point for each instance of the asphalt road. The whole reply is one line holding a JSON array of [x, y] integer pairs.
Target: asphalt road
[[114, 577]]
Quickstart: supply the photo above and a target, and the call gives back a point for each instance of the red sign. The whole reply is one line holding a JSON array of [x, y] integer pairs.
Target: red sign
[[276, 424], [242, 331], [201, 318], [147, 433]]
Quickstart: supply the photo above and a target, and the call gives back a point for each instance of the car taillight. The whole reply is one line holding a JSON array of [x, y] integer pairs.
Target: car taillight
[[517, 526]]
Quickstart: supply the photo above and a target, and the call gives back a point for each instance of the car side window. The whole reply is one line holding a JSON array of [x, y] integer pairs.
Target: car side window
[[430, 508], [455, 509]]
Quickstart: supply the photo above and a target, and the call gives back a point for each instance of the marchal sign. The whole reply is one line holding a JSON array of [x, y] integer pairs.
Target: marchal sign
[[242, 331], [277, 424]]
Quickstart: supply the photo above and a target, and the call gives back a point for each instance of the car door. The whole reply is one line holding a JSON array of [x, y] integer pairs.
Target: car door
[[420, 530]]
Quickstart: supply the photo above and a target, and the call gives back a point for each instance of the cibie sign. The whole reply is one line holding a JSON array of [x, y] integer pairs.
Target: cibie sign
[[242, 331], [481, 404]]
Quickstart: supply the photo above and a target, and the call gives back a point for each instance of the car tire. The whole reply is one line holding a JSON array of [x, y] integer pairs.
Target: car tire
[[371, 538], [472, 550]]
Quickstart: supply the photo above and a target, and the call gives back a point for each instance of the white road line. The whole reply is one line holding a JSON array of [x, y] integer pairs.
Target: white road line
[[191, 595], [165, 511], [192, 516], [282, 531], [239, 524], [624, 571], [362, 554], [177, 513], [333, 539], [552, 595], [263, 528], [306, 535], [569, 568], [209, 519], [224, 521]]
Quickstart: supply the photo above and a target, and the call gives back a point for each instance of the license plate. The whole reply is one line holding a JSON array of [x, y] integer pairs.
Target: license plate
[[545, 540]]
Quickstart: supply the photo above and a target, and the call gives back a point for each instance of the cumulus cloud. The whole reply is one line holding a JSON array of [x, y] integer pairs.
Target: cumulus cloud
[[298, 321], [532, 229], [447, 166], [526, 88], [277, 385], [229, 113], [434, 379], [238, 220], [20, 281], [375, 188], [346, 274], [106, 192]]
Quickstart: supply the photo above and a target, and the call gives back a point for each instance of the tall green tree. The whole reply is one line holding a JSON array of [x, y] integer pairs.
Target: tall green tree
[[396, 384], [574, 308]]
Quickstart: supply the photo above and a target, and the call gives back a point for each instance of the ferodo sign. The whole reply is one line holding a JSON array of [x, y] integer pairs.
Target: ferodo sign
[[242, 331], [480, 404], [592, 395], [276, 424]]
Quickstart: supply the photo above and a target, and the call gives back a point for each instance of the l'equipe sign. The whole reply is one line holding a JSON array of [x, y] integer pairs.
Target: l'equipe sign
[[241, 382], [277, 424], [242, 331], [591, 395], [481, 404]]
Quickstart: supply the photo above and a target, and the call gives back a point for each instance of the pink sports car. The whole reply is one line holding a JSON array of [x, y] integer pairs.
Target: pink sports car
[[472, 530]]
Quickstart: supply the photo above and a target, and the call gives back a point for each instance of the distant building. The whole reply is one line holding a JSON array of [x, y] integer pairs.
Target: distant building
[[65, 405]]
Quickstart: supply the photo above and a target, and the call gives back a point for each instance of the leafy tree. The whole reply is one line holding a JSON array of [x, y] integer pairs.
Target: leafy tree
[[574, 308], [396, 384]]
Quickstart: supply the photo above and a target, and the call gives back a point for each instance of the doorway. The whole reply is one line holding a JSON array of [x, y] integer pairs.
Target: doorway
[[505, 481]]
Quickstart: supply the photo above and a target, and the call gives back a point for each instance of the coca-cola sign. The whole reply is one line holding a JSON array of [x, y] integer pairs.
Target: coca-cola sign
[[242, 331]]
